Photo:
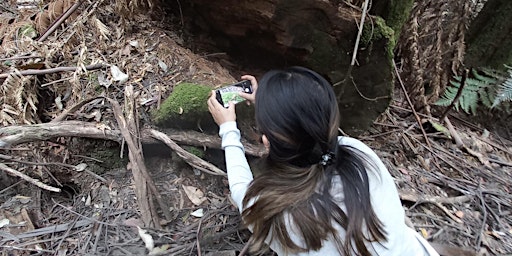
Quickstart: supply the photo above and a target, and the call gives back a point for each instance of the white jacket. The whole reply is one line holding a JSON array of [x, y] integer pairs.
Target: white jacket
[[401, 240]]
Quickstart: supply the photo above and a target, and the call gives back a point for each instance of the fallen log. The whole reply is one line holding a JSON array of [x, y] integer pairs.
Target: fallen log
[[18, 134]]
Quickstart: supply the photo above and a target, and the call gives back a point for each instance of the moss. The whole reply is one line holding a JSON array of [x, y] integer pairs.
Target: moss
[[376, 30], [398, 13], [186, 99], [195, 151]]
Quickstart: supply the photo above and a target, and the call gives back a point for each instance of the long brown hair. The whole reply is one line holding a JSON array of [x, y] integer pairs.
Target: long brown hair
[[296, 110]]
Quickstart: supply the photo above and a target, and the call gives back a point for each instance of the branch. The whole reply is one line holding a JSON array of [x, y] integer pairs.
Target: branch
[[59, 21], [27, 178], [17, 134], [190, 158], [29, 72]]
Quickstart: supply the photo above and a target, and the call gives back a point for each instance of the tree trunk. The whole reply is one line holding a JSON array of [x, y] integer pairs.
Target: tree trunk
[[490, 35], [318, 34]]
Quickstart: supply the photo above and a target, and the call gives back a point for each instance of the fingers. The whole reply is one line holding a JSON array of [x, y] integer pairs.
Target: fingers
[[219, 113], [253, 80], [252, 96]]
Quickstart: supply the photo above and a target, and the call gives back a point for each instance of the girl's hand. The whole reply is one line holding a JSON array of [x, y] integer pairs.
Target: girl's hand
[[219, 113], [251, 97]]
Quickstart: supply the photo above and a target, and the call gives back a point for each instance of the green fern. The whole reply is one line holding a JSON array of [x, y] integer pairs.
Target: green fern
[[505, 90], [486, 87]]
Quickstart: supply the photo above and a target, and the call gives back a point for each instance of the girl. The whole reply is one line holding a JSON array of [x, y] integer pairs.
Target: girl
[[319, 193]]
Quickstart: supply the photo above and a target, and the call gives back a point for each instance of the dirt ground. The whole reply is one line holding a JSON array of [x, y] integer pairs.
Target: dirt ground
[[456, 195]]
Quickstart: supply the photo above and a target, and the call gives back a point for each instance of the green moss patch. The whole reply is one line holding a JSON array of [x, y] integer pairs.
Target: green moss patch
[[376, 30], [187, 99]]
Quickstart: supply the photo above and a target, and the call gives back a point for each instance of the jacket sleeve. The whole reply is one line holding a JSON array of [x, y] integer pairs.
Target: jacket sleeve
[[239, 173]]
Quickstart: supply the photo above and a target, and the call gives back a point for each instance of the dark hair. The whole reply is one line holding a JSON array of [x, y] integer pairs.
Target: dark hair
[[296, 110]]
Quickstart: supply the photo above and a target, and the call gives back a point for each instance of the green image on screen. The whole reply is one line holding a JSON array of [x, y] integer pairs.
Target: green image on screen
[[231, 95]]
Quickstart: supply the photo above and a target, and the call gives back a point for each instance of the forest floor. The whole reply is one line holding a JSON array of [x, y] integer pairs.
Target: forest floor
[[454, 183]]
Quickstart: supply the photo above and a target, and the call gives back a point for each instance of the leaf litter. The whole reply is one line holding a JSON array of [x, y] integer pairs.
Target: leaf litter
[[450, 196]]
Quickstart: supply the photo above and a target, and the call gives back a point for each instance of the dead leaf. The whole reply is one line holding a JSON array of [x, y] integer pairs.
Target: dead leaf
[[146, 238], [117, 74], [4, 222], [195, 195], [198, 213], [160, 249]]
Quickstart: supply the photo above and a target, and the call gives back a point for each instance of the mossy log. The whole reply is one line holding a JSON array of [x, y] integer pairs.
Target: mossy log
[[314, 33]]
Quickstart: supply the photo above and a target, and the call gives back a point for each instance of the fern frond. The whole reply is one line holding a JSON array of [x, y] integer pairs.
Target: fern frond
[[504, 92]]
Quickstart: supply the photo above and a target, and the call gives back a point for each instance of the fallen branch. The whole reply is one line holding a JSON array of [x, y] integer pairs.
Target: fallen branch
[[27, 178], [140, 173], [437, 201], [13, 135], [190, 158], [29, 72], [49, 230], [434, 199], [17, 134]]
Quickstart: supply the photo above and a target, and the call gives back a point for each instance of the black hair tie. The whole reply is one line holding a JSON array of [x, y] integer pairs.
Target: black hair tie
[[327, 159]]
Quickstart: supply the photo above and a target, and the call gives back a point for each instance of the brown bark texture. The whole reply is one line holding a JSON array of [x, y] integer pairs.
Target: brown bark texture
[[317, 34]]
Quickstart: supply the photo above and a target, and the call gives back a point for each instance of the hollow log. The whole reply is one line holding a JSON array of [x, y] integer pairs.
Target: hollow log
[[317, 34]]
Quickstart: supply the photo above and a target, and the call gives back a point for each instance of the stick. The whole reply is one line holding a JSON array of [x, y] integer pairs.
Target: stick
[[412, 106], [190, 158], [59, 21], [29, 72], [74, 108], [50, 230], [27, 178], [356, 45]]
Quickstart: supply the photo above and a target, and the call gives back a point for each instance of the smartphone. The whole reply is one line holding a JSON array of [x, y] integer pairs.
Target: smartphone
[[230, 93]]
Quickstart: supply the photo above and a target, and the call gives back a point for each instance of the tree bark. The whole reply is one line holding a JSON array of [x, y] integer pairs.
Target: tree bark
[[490, 35], [316, 34]]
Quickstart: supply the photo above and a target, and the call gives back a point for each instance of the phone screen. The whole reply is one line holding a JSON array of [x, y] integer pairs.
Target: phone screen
[[230, 93]]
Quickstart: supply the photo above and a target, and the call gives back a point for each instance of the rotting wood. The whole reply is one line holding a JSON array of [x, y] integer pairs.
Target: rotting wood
[[17, 134], [190, 158], [29, 72]]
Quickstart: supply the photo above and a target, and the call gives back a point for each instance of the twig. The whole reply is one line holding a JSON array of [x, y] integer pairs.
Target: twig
[[358, 39], [50, 230], [29, 72], [245, 249], [198, 236], [411, 105], [27, 178], [20, 58], [190, 158], [434, 199], [5, 157], [454, 133], [59, 21], [457, 96], [74, 108]]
